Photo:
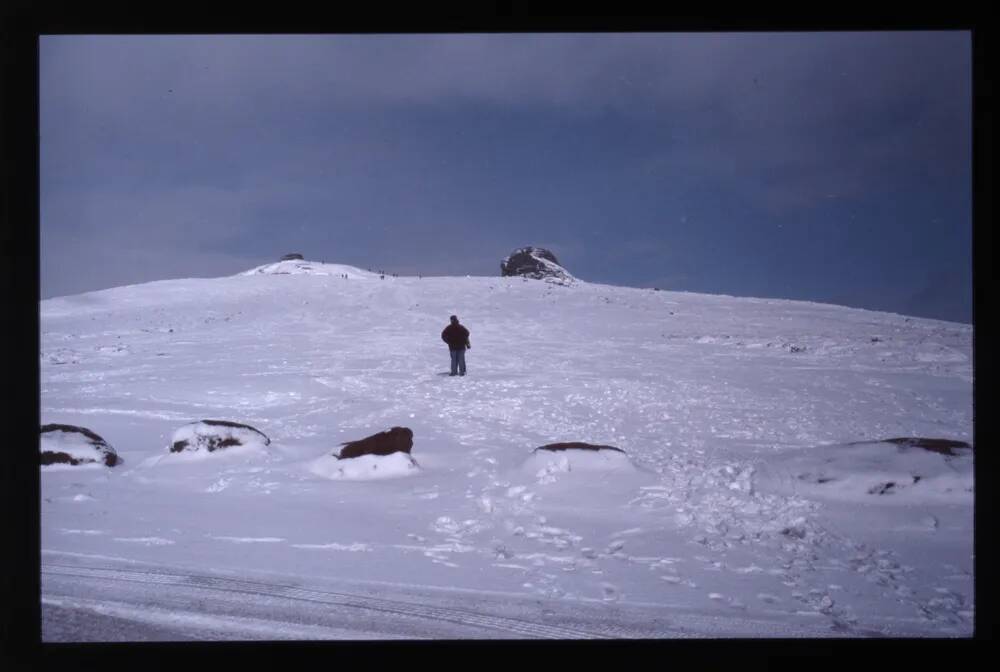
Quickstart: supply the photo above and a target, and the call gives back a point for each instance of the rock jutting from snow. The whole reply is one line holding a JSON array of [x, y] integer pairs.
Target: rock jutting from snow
[[394, 440], [941, 446], [212, 435], [534, 262], [576, 445], [291, 256], [856, 471], [68, 444]]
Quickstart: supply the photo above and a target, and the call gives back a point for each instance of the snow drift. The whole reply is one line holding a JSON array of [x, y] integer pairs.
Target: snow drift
[[545, 464], [872, 473], [306, 267], [364, 467]]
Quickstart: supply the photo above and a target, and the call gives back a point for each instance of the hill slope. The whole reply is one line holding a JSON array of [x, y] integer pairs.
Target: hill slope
[[725, 406]]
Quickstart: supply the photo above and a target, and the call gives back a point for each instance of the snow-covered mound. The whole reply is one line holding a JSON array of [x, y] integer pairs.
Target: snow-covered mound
[[879, 472], [537, 263], [211, 435], [365, 467], [68, 445], [545, 464], [306, 267]]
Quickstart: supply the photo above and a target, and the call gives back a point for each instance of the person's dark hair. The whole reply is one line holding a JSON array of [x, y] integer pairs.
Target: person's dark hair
[[454, 318]]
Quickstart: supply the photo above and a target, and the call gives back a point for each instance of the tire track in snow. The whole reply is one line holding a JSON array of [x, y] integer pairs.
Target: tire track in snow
[[513, 626]]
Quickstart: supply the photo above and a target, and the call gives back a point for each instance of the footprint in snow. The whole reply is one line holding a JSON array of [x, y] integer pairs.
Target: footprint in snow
[[630, 531], [219, 485], [513, 528], [439, 561], [501, 552]]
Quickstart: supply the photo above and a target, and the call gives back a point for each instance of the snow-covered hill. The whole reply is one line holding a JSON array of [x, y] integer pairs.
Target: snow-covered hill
[[740, 510]]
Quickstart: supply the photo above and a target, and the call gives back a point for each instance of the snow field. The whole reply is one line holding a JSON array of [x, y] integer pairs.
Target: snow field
[[720, 403]]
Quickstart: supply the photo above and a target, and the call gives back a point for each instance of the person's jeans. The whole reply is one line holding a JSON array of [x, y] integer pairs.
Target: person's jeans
[[457, 361]]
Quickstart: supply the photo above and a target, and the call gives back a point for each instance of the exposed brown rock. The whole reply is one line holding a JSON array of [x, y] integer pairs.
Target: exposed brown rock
[[948, 447], [396, 439], [941, 446]]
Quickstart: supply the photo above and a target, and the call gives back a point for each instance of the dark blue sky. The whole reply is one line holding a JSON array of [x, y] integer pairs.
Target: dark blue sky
[[821, 166]]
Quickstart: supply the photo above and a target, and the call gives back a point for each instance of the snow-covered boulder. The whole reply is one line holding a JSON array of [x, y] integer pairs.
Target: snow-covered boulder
[[546, 462], [576, 445], [211, 435], [365, 467], [288, 267], [74, 446], [948, 447], [394, 440], [382, 455], [537, 263], [893, 470]]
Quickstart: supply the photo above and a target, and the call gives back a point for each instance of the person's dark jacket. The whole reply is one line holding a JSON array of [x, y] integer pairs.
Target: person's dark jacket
[[456, 336]]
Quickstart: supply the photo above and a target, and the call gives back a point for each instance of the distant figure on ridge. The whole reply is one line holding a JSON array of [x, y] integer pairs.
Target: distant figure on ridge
[[457, 338]]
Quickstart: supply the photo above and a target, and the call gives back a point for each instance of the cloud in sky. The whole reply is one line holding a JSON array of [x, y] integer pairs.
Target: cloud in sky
[[453, 149]]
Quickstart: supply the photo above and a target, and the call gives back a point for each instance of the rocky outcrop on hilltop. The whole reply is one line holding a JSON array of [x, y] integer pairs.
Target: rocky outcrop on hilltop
[[397, 439], [212, 435], [534, 262], [68, 444], [291, 256], [295, 265]]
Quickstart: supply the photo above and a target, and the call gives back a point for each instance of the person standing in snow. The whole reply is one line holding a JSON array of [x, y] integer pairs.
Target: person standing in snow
[[457, 338]]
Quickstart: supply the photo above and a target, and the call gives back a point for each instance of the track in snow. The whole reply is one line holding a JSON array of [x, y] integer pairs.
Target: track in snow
[[199, 585], [199, 606]]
